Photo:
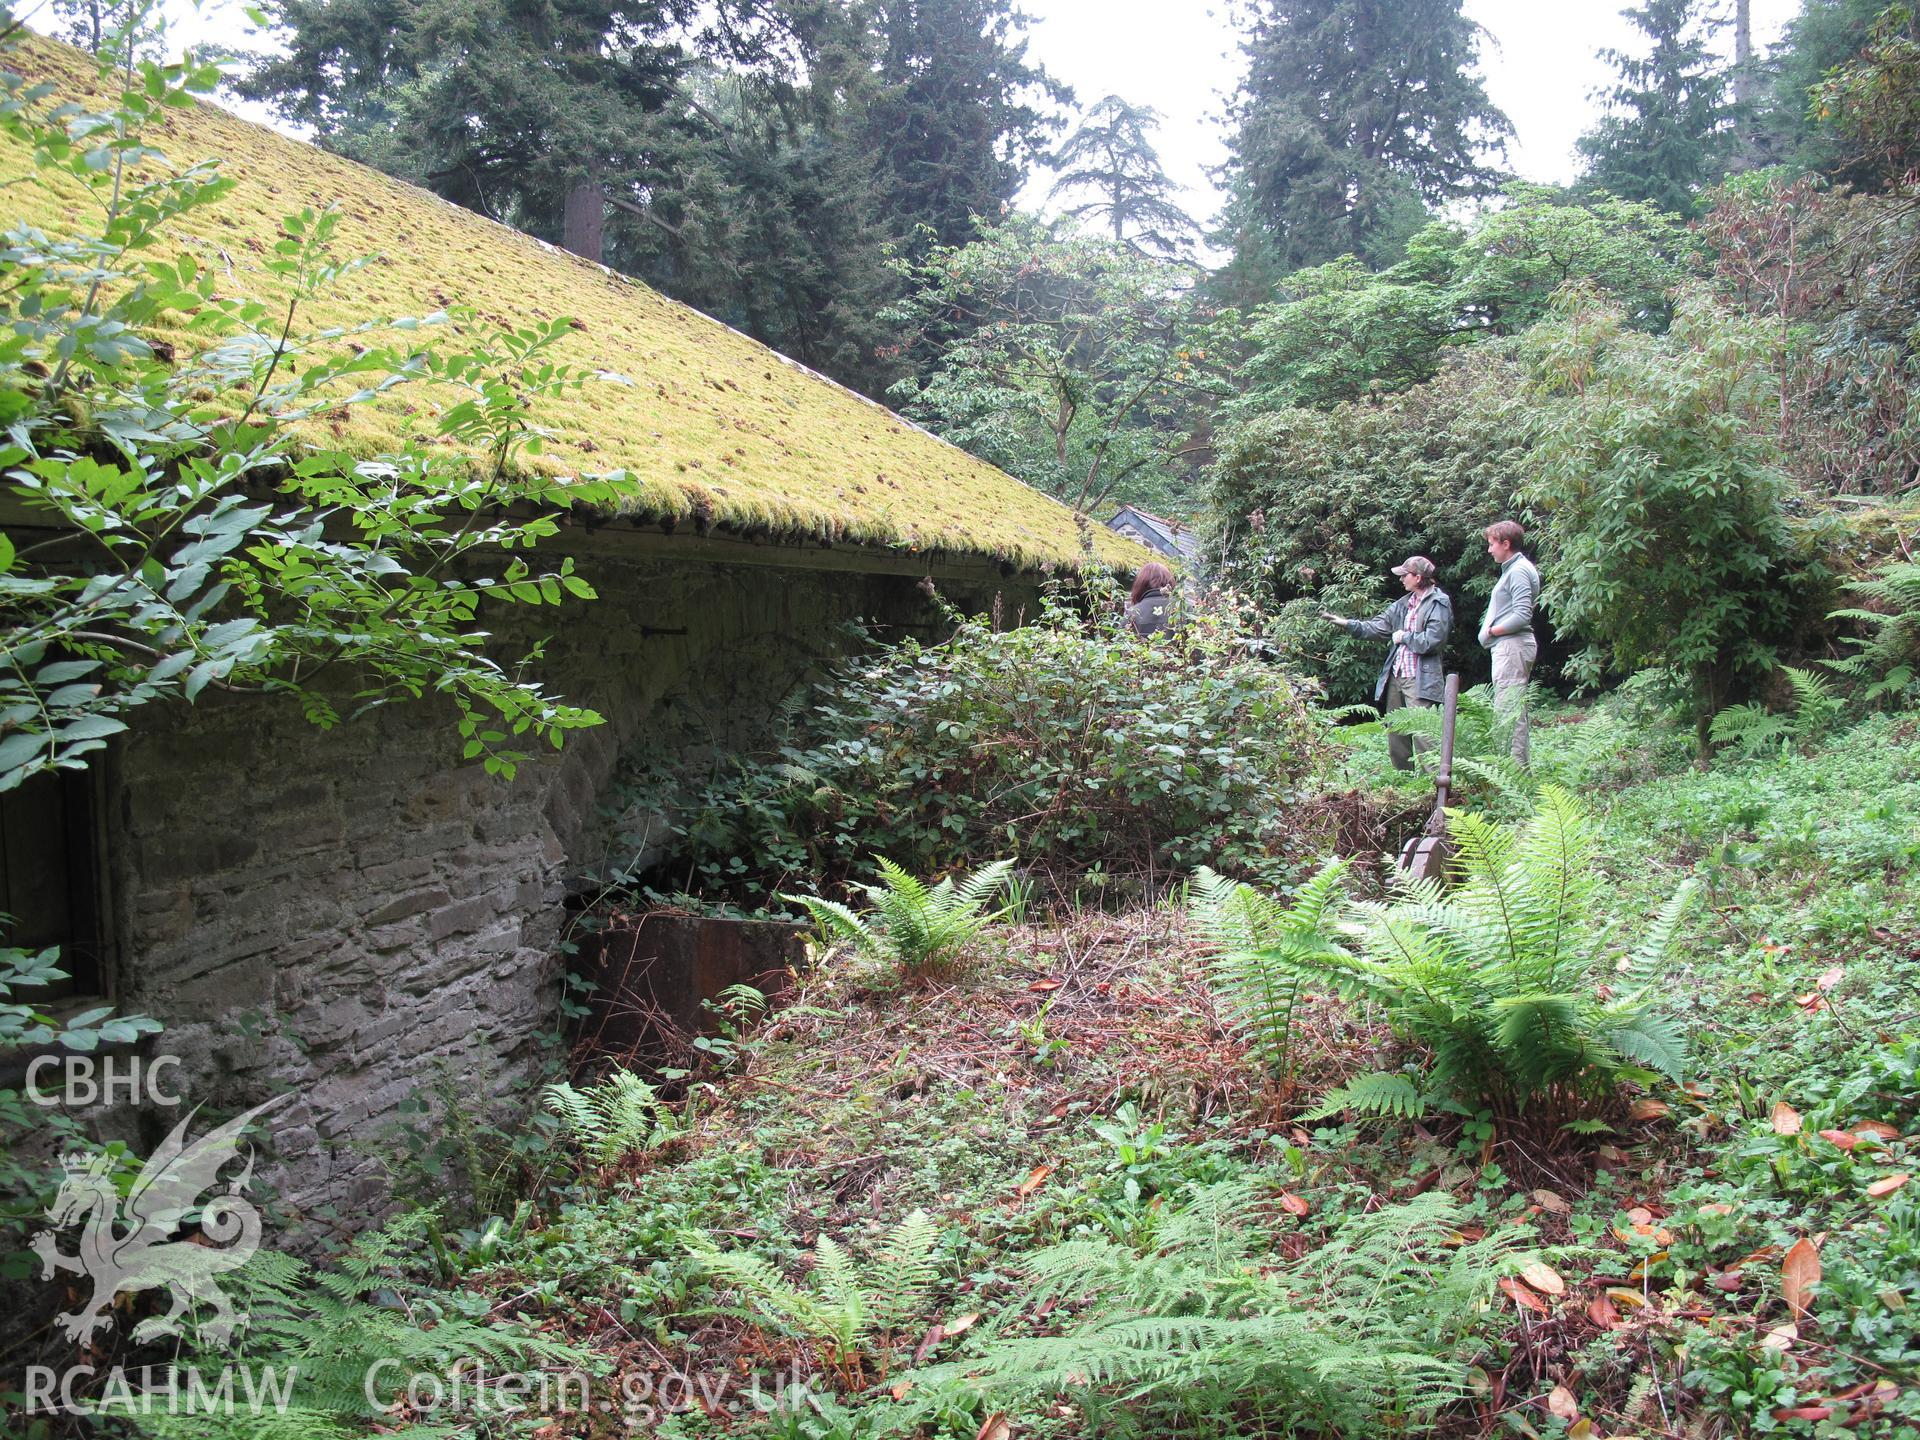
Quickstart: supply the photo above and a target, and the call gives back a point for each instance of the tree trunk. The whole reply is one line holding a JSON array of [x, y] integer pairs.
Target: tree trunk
[[1742, 51], [1747, 151], [584, 227]]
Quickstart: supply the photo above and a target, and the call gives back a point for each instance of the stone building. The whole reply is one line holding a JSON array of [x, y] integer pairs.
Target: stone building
[[349, 914]]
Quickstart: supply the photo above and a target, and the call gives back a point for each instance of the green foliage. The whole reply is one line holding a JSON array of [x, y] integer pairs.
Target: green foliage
[[754, 160], [1351, 118], [28, 1131], [1793, 128], [921, 928], [855, 1308], [1670, 130], [1315, 507], [1496, 975], [1071, 361], [1260, 951], [1066, 738], [1889, 654], [1361, 1335], [350, 1339], [161, 561], [1812, 711], [1873, 100], [1506, 267], [1338, 332], [618, 1116], [1666, 532]]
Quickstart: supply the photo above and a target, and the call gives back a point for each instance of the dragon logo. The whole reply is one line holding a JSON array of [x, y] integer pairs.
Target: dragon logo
[[127, 1246]]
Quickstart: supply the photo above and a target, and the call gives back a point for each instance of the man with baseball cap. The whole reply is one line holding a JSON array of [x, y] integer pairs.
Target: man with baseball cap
[[1415, 627]]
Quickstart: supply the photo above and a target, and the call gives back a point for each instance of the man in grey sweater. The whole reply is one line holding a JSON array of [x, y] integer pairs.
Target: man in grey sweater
[[1507, 629], [1415, 627]]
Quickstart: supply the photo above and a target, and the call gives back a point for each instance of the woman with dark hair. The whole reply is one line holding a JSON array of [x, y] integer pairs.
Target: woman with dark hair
[[1150, 602]]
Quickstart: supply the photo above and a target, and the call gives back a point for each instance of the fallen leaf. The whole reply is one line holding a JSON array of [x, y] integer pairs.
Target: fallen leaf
[[1294, 1205], [1581, 1430], [1040, 987], [1647, 1109], [1786, 1119], [1034, 1181], [1880, 1188], [1810, 1002], [1718, 1207], [994, 1427], [1601, 1311], [1780, 1337], [1621, 1295], [900, 1389], [1560, 1402], [1551, 1203], [1829, 978], [1846, 1140], [1521, 1295], [1879, 1129], [960, 1324], [1543, 1278], [1727, 1280], [1799, 1273], [1639, 1215], [1803, 1412]]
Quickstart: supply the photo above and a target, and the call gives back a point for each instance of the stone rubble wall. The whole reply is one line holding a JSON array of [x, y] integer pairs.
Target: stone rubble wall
[[357, 914]]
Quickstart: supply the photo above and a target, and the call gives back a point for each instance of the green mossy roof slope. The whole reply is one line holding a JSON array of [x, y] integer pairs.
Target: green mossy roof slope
[[714, 424]]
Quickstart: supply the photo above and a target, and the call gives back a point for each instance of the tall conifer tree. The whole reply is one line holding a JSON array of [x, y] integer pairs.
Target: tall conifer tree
[[1109, 158], [1671, 132], [1353, 116]]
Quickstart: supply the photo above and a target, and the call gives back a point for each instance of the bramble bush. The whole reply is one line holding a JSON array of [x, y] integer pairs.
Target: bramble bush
[[1088, 750]]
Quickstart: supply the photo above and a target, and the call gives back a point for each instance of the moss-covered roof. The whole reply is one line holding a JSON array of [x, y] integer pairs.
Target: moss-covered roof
[[714, 425]]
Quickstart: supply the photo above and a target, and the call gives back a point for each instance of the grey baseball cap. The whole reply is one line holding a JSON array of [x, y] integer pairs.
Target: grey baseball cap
[[1417, 565]]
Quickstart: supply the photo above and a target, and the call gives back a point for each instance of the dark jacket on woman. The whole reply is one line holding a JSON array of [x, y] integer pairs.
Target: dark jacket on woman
[[1436, 619], [1150, 613]]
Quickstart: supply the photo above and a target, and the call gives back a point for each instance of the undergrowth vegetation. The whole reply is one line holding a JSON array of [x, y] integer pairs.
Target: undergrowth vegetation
[[1616, 1132], [1097, 758]]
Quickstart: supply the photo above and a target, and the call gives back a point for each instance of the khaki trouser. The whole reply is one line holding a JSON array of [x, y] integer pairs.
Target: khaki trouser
[[1401, 749], [1513, 657]]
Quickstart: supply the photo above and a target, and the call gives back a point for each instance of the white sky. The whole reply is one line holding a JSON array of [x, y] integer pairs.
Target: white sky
[[1541, 64]]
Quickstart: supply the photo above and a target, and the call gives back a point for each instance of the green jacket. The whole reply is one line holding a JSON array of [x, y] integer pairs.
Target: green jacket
[[1515, 596], [1428, 642]]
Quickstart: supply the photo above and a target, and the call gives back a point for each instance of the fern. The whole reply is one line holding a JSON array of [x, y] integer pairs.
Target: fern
[[620, 1116], [1754, 728], [1261, 954], [920, 927], [1495, 976], [1889, 653], [853, 1308], [1381, 1094], [331, 1328], [1359, 1336]]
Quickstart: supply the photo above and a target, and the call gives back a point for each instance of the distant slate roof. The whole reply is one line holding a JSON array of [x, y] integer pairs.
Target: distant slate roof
[[715, 427], [1169, 537]]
